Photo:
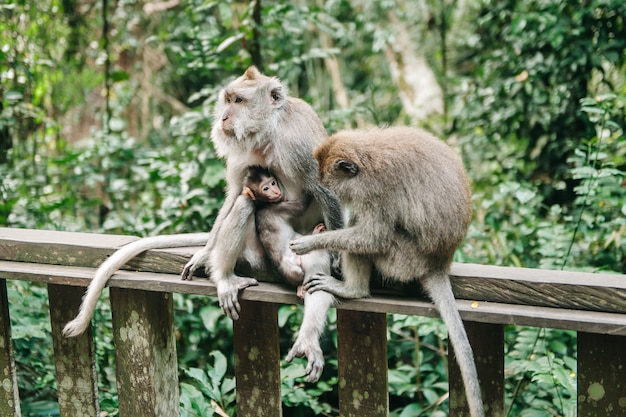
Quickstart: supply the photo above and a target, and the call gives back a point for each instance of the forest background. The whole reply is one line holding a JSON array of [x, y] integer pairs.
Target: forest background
[[105, 115]]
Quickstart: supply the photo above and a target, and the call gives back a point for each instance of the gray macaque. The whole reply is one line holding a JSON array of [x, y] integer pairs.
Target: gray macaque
[[409, 203], [255, 123]]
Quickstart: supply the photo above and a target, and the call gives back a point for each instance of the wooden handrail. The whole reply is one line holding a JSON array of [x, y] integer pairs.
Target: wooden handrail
[[489, 297]]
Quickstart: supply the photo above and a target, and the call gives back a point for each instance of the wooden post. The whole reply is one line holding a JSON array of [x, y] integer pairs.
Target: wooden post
[[362, 357], [257, 360], [487, 342], [74, 358], [601, 375], [147, 370], [9, 395]]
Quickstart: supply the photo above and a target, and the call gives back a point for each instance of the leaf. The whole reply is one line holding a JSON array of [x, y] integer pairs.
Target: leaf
[[219, 365], [13, 97], [198, 374], [411, 410], [117, 76]]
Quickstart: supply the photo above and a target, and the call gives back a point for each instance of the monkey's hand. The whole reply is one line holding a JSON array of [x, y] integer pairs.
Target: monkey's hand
[[303, 244], [228, 292], [309, 347]]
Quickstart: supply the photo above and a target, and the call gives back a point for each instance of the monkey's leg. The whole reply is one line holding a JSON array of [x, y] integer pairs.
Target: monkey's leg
[[356, 273], [228, 248], [201, 258], [198, 260], [307, 343]]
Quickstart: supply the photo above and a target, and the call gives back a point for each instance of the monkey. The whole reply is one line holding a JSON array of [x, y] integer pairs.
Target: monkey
[[409, 203], [255, 122], [273, 218]]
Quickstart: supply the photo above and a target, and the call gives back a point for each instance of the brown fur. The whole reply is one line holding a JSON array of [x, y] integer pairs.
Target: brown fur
[[409, 201]]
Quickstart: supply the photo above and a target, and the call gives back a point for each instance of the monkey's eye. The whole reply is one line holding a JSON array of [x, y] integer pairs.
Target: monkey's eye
[[273, 183], [238, 99], [266, 188]]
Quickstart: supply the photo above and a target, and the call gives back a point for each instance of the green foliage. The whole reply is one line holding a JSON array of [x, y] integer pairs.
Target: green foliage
[[31, 339], [541, 372]]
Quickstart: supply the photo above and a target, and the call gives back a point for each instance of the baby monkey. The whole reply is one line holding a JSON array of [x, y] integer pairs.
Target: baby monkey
[[274, 216]]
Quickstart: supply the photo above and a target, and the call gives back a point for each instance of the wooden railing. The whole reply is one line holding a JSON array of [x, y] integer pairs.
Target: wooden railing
[[488, 297]]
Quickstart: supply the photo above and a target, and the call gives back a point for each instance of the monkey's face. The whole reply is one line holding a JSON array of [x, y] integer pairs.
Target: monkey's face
[[245, 107], [270, 192]]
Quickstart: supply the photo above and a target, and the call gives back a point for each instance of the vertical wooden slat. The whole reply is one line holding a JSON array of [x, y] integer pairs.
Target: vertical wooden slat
[[9, 395], [487, 342], [147, 374], [362, 357], [601, 375], [257, 360], [74, 358]]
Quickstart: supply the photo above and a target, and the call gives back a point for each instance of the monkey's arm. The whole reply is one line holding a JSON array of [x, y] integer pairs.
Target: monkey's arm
[[200, 259], [223, 257], [353, 239]]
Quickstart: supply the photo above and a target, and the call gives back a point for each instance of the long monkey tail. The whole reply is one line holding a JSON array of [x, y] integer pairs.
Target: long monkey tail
[[115, 262], [440, 291]]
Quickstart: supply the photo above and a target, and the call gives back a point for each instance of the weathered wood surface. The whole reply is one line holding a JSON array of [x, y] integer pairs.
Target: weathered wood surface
[[9, 395], [145, 348], [74, 358], [487, 342], [83, 249], [362, 360], [524, 286], [601, 375], [486, 312], [540, 287], [257, 360]]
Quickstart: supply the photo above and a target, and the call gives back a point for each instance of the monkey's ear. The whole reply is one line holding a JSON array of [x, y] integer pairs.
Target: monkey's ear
[[346, 168], [278, 95], [252, 73]]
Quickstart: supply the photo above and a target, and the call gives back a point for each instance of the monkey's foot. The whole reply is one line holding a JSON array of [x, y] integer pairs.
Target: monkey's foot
[[228, 292], [314, 355], [322, 282], [198, 260]]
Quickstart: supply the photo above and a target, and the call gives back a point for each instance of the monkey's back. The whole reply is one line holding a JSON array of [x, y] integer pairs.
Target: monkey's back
[[415, 185]]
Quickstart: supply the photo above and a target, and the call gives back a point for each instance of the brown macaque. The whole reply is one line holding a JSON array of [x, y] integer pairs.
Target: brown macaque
[[255, 123], [409, 203]]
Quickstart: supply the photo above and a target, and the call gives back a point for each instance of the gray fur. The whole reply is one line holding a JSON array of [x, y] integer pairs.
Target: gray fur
[[256, 123]]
